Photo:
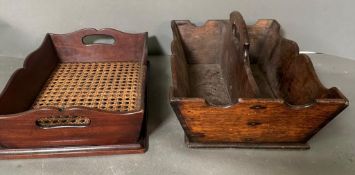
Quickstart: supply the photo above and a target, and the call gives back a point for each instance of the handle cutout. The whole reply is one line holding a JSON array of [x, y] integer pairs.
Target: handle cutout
[[62, 121], [98, 39]]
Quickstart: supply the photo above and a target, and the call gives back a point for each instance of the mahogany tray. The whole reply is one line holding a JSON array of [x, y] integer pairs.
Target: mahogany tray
[[75, 96], [238, 85]]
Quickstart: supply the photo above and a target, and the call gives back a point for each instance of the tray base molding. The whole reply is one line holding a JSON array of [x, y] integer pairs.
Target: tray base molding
[[299, 146]]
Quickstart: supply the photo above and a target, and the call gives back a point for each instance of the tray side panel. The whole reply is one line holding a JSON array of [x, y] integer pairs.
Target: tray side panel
[[141, 146], [254, 121], [25, 84], [127, 47], [179, 66], [22, 131]]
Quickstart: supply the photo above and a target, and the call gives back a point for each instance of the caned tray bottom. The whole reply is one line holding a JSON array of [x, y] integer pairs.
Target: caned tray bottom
[[110, 86]]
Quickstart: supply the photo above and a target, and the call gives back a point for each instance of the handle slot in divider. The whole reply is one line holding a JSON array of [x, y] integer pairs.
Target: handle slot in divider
[[62, 121]]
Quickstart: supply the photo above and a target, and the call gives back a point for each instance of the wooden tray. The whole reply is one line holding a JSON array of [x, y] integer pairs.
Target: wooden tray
[[74, 93], [246, 86]]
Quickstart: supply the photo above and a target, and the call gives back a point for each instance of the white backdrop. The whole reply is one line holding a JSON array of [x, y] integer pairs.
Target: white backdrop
[[325, 26]]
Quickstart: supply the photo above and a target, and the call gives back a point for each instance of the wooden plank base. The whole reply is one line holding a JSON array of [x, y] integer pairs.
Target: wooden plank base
[[300, 146]]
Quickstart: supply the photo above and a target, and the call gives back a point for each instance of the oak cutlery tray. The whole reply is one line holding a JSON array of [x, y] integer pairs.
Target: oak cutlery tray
[[238, 85]]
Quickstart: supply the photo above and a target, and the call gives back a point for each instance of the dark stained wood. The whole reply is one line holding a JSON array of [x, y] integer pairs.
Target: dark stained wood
[[127, 47], [141, 146], [21, 131], [246, 86], [18, 127], [25, 84]]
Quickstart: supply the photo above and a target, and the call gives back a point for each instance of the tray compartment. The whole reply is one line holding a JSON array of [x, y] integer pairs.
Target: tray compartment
[[71, 94], [207, 81], [236, 85]]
